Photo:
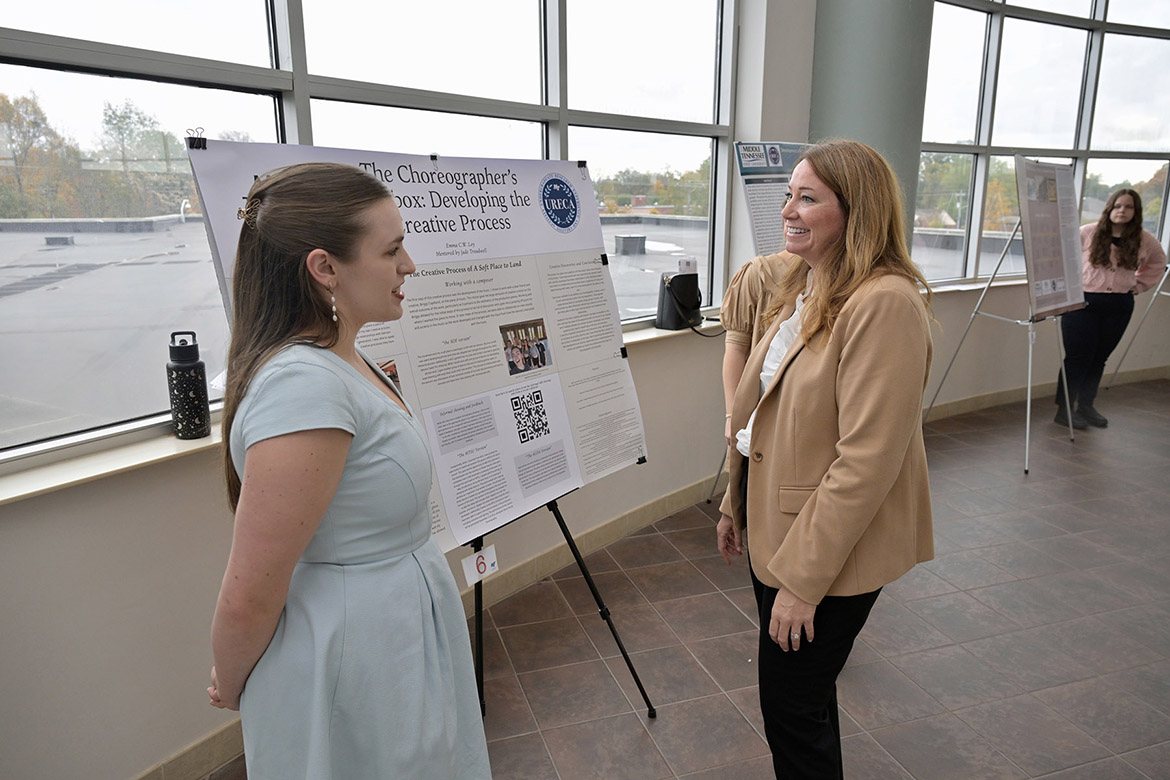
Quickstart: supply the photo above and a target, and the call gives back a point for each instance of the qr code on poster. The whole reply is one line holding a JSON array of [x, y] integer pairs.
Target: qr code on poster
[[531, 417]]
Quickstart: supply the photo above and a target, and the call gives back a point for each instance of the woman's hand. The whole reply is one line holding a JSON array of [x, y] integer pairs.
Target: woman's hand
[[728, 539], [216, 700], [727, 434], [789, 615]]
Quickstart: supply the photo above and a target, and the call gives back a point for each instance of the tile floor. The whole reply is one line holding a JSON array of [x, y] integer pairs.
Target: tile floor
[[1035, 644]]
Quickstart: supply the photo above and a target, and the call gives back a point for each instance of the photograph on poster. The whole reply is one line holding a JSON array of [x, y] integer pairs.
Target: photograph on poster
[[525, 346]]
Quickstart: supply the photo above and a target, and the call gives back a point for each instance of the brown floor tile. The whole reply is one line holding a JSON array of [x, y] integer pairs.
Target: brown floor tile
[[892, 629], [730, 660], [670, 581], [747, 701], [1090, 641], [1034, 737], [1025, 603], [1109, 769], [967, 569], [540, 601], [507, 711], [495, 658], [755, 769], [640, 628], [614, 587], [669, 675], [704, 733], [861, 654], [550, 643], [1028, 661], [643, 550], [574, 693], [616, 748], [1077, 552], [878, 695], [1085, 592], [1118, 720], [232, 770], [691, 517], [703, 617], [1153, 761], [521, 758], [694, 542], [961, 617], [865, 759], [1150, 683], [725, 576], [918, 583], [598, 563], [1022, 560], [944, 748], [745, 600], [955, 677]]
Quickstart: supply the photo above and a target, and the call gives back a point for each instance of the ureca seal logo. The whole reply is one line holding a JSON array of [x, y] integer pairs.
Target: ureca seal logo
[[559, 202]]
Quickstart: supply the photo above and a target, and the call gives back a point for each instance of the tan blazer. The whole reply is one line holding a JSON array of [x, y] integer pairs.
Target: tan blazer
[[837, 489]]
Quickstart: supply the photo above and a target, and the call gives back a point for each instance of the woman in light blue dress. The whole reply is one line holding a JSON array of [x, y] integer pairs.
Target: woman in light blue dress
[[339, 633]]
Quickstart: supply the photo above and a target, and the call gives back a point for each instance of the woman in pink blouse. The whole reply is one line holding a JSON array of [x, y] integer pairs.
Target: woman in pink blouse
[[1120, 260]]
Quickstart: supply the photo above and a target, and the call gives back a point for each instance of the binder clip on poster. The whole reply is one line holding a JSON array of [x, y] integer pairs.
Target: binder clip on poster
[[679, 299]]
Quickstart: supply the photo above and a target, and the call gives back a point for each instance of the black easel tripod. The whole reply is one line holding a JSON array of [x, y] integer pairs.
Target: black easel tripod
[[602, 610]]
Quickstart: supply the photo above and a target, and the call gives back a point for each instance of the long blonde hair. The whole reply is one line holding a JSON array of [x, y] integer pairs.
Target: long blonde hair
[[289, 212], [873, 242]]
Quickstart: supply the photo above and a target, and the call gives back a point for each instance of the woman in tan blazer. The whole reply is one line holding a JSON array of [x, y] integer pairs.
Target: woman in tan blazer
[[828, 471]]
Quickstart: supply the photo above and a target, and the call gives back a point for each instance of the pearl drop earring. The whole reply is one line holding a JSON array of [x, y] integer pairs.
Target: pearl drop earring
[[333, 305]]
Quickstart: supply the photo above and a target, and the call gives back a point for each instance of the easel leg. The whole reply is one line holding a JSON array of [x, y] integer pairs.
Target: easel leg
[[1063, 376], [1028, 405], [601, 608], [476, 546]]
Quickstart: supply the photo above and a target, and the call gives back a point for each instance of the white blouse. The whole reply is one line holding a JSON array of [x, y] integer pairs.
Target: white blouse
[[786, 335]]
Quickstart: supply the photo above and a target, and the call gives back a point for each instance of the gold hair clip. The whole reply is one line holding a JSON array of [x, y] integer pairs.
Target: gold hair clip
[[249, 212]]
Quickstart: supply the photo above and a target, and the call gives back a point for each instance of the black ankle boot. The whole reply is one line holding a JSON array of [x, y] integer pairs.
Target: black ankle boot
[[1093, 417], [1078, 423]]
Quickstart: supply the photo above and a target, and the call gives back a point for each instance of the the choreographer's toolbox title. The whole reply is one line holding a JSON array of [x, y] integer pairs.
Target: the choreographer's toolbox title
[[471, 195]]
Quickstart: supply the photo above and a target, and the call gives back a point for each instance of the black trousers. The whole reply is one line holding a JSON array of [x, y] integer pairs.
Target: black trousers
[[1090, 336], [798, 689]]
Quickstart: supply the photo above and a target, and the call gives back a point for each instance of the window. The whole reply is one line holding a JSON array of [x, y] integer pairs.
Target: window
[[1007, 80], [489, 50], [1133, 95], [640, 193], [954, 76], [196, 30], [410, 131], [649, 58], [92, 126], [104, 253]]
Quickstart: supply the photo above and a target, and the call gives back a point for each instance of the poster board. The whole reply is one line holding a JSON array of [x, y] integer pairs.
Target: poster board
[[507, 252], [764, 169], [1050, 221]]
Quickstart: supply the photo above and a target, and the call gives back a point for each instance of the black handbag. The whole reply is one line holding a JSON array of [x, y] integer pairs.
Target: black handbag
[[679, 301]]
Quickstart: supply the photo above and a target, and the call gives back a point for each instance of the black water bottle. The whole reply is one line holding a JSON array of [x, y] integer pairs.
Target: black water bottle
[[187, 379]]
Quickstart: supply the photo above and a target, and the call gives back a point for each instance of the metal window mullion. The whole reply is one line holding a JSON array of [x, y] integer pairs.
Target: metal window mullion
[[371, 93], [1091, 80], [722, 149], [556, 78], [294, 106], [53, 51], [993, 44]]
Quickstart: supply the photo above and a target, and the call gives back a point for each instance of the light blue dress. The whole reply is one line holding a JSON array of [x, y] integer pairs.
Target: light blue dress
[[369, 673]]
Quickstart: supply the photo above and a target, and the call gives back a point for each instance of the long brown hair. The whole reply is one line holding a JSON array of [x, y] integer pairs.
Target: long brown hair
[[289, 212], [1128, 243], [873, 242]]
